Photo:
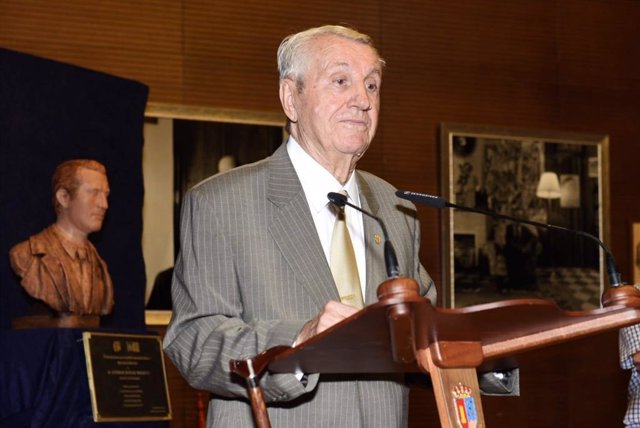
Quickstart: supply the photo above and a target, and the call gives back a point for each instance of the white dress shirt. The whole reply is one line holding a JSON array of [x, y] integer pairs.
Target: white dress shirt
[[317, 182]]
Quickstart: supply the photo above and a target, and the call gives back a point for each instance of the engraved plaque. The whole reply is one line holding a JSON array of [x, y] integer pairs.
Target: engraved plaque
[[127, 377]]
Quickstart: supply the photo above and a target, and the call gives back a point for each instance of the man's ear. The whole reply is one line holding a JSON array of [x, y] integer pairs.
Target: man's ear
[[287, 99], [63, 197]]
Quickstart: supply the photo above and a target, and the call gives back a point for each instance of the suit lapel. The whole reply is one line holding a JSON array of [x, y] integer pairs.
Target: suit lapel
[[373, 241], [294, 231]]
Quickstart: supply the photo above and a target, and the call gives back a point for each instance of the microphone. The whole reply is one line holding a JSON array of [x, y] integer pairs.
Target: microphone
[[390, 258], [438, 202]]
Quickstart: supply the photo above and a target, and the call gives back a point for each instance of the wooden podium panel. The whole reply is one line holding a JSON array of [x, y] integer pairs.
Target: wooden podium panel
[[404, 332], [578, 383]]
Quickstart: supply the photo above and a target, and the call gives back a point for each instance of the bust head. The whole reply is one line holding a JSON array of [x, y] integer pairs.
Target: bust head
[[80, 192]]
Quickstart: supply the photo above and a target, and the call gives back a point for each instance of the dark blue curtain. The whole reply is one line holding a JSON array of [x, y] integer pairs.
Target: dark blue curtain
[[51, 112], [44, 383]]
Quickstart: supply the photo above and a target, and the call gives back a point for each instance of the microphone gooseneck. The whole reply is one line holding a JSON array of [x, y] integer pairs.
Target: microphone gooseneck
[[615, 279], [390, 258]]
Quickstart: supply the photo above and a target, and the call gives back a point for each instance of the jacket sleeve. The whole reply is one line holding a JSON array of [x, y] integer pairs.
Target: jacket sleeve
[[207, 329]]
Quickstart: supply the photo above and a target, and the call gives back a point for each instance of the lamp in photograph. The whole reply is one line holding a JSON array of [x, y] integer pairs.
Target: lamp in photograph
[[548, 186]]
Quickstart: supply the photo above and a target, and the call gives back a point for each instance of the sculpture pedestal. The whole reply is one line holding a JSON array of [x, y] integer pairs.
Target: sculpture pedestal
[[53, 321]]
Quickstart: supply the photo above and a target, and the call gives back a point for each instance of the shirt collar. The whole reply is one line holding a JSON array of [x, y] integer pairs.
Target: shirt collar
[[73, 249], [316, 181]]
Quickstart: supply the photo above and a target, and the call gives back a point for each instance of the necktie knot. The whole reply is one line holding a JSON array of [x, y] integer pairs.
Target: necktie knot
[[338, 210], [81, 253]]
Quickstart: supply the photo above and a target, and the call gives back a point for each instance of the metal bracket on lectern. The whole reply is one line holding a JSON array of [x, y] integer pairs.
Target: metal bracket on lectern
[[251, 369]]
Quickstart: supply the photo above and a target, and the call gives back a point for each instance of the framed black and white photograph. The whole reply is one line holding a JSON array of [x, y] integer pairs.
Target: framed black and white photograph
[[184, 145], [547, 177]]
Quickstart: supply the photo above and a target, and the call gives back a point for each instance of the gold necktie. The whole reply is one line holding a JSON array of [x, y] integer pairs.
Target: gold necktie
[[343, 263]]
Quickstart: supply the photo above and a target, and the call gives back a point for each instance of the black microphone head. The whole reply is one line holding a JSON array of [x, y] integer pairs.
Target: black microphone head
[[422, 198], [337, 199]]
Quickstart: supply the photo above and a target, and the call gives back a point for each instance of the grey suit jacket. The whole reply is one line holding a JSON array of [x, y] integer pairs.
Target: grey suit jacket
[[251, 272]]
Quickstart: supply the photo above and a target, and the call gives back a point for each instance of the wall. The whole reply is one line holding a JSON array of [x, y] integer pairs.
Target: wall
[[157, 210], [570, 65]]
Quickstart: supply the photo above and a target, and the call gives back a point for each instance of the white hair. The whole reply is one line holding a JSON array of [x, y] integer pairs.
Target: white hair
[[292, 53]]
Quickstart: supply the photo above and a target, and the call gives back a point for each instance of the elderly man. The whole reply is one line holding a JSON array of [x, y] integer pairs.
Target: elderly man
[[256, 264], [60, 266]]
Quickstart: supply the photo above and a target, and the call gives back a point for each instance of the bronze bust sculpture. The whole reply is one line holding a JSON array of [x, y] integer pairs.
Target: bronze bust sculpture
[[60, 266]]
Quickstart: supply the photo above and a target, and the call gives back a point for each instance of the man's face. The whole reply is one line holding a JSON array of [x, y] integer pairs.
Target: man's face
[[337, 109], [86, 208]]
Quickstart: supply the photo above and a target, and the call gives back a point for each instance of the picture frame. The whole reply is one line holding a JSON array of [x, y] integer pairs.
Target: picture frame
[[635, 251], [183, 145], [500, 170]]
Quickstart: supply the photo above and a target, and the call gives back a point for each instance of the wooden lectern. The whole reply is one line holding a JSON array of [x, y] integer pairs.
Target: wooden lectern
[[404, 332]]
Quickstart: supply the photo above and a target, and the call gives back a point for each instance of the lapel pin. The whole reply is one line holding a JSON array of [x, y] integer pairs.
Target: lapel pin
[[377, 238]]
